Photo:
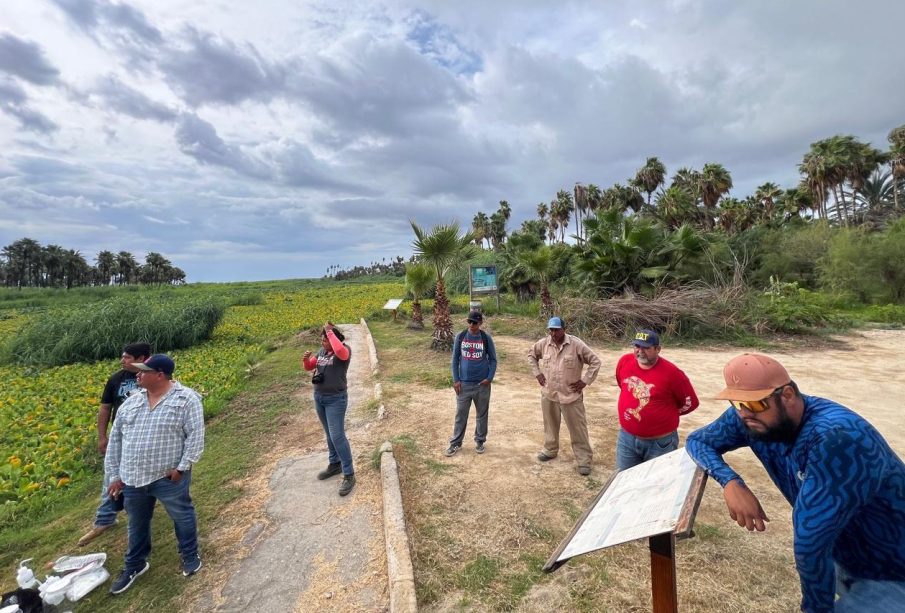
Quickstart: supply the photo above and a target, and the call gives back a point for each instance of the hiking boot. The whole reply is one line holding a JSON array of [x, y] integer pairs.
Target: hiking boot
[[191, 566], [347, 485], [92, 534], [543, 457], [452, 449], [584, 470], [331, 470], [479, 448], [126, 579]]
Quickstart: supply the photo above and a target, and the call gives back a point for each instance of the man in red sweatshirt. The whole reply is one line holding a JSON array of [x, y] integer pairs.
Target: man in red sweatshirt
[[653, 392]]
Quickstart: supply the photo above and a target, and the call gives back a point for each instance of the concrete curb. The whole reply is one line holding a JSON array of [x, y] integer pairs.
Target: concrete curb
[[401, 575], [375, 369]]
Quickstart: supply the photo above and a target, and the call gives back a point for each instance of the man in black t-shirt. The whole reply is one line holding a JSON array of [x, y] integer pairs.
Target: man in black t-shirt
[[119, 386]]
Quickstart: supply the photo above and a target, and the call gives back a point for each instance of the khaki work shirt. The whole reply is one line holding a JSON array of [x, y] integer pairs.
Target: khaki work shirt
[[562, 366]]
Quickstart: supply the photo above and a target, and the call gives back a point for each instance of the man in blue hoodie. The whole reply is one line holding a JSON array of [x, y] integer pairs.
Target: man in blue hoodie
[[473, 367], [845, 484]]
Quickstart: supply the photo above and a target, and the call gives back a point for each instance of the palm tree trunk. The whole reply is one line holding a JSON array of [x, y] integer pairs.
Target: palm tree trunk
[[443, 334], [417, 315]]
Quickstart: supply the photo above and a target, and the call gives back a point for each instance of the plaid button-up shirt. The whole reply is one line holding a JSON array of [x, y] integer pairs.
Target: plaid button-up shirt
[[146, 442]]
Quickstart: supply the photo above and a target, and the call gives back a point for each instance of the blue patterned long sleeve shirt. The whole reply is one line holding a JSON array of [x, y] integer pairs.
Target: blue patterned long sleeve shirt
[[146, 442], [846, 487]]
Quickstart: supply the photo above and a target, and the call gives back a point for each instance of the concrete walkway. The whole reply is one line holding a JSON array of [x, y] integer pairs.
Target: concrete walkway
[[320, 551]]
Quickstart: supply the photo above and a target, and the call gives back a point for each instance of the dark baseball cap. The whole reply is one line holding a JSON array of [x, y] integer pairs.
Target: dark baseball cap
[[646, 338], [158, 362], [475, 316]]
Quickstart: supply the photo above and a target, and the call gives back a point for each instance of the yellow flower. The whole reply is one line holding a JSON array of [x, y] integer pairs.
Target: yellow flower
[[63, 481]]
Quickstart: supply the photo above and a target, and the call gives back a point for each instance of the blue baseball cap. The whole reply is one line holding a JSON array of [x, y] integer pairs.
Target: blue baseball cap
[[158, 362], [554, 323], [646, 338]]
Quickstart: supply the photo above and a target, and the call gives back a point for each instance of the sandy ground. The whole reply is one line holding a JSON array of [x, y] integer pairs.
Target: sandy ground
[[493, 503], [498, 503]]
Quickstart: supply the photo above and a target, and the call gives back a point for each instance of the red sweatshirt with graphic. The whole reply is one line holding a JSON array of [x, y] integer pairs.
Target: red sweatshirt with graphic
[[650, 401]]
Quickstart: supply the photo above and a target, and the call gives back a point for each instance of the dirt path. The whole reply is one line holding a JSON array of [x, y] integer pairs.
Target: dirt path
[[498, 503], [298, 545]]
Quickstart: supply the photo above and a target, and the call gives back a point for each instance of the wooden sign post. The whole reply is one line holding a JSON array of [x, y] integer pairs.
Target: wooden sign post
[[657, 500]]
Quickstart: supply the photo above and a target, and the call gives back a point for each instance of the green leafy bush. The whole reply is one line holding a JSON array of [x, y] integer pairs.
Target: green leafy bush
[[100, 330]]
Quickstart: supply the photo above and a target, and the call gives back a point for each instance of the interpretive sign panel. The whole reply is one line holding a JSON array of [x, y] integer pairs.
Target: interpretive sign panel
[[642, 501], [483, 279], [393, 304]]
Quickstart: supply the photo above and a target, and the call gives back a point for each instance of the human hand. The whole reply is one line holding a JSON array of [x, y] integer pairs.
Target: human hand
[[744, 507], [102, 444], [578, 386], [328, 326], [306, 355], [542, 379], [174, 475], [485, 382], [115, 488], [458, 387]]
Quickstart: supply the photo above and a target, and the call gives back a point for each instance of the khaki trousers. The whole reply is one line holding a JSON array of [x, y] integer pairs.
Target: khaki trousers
[[576, 422]]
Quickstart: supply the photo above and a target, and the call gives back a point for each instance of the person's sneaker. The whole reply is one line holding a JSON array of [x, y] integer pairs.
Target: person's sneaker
[[584, 470], [543, 457], [126, 579], [452, 449], [347, 485], [92, 534], [191, 566], [479, 448], [331, 470]]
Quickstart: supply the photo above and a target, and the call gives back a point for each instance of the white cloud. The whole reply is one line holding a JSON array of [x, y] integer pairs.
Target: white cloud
[[301, 130]]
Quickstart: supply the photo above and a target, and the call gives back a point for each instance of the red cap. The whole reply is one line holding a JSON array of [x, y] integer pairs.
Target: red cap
[[752, 376]]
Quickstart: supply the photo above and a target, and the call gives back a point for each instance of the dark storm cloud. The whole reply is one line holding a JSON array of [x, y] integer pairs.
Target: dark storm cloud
[[25, 59], [199, 139], [374, 86], [119, 97], [206, 69]]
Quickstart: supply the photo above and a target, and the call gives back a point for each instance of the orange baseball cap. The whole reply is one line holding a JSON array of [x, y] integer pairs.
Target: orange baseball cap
[[752, 376]]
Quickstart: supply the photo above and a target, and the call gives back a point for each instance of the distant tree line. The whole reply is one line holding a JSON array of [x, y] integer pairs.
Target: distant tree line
[[843, 180], [393, 267], [26, 263]]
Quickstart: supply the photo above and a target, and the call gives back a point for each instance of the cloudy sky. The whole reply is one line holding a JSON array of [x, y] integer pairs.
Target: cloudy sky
[[271, 139]]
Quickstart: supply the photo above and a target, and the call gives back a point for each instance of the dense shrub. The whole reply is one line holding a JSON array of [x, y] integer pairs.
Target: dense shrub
[[100, 330]]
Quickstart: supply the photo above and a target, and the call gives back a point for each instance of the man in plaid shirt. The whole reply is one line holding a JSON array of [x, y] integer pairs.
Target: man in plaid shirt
[[157, 437]]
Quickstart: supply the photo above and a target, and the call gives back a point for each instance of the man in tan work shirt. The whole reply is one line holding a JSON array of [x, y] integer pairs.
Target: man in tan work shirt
[[561, 384]]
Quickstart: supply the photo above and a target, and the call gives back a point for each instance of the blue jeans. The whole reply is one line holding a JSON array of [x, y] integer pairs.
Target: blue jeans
[[140, 502], [631, 450], [109, 507], [480, 395], [331, 410], [867, 595]]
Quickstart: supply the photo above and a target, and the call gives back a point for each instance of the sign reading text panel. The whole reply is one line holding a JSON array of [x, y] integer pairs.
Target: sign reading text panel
[[483, 279], [642, 501]]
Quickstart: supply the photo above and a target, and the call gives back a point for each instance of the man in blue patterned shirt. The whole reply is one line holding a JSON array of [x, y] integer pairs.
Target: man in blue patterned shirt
[[846, 486], [157, 437]]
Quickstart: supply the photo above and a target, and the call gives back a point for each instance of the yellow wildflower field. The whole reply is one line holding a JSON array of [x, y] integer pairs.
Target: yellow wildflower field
[[48, 415]]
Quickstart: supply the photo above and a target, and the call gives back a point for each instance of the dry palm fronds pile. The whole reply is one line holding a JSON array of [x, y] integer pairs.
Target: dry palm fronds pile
[[691, 311]]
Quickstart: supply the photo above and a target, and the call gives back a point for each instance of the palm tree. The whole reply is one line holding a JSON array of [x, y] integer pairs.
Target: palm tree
[[127, 267], [106, 265], [650, 177], [538, 263], [443, 249], [479, 227], [715, 183], [876, 193], [676, 206], [580, 193], [766, 195], [897, 160], [419, 278], [564, 208]]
